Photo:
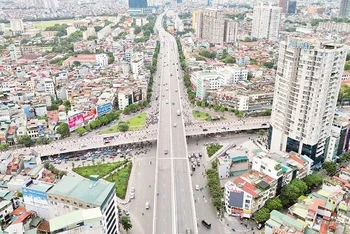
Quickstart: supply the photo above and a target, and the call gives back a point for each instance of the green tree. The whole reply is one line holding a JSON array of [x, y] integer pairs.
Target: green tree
[[63, 130], [203, 104], [126, 223], [207, 54], [76, 63], [268, 64], [126, 110], [273, 204], [313, 180], [262, 215], [216, 107], [25, 140], [137, 30], [261, 132], [81, 131], [222, 109], [92, 37], [98, 28], [289, 195], [19, 194], [123, 127], [330, 167], [4, 146], [301, 185]]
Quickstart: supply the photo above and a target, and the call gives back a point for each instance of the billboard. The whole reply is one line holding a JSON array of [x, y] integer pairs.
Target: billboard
[[34, 197], [137, 95], [75, 121], [89, 116], [103, 109]]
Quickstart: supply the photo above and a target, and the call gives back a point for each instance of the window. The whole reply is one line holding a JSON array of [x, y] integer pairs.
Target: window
[[68, 201], [75, 203]]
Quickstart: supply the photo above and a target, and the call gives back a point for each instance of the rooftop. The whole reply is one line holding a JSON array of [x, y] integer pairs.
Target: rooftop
[[70, 220], [82, 189]]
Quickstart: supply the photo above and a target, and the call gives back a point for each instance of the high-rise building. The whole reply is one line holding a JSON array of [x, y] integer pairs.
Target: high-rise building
[[137, 3], [266, 22], [292, 6], [344, 9], [16, 26], [306, 89], [283, 4], [230, 33], [210, 25], [179, 1]]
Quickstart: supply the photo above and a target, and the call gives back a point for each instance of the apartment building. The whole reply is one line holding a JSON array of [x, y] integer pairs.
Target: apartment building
[[74, 193], [207, 80], [266, 22], [339, 138], [211, 25], [344, 9], [17, 26], [307, 84], [246, 194]]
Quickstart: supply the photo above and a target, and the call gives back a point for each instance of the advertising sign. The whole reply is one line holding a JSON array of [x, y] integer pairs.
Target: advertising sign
[[75, 121], [137, 95], [34, 197], [104, 109], [89, 116]]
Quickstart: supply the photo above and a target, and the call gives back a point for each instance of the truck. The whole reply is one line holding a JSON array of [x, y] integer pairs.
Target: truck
[[178, 112]]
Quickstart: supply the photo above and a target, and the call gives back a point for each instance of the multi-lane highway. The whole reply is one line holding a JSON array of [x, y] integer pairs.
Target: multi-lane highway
[[174, 210]]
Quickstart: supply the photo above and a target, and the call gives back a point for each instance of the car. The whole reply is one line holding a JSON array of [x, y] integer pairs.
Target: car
[[197, 187], [204, 129], [132, 189], [200, 155], [166, 102], [126, 212], [147, 206], [260, 226], [188, 231], [175, 90], [166, 151], [173, 103], [132, 195], [192, 159], [189, 156], [264, 124], [83, 146], [166, 89], [191, 173], [171, 74], [63, 149], [206, 224], [174, 125], [198, 164], [193, 167], [163, 95]]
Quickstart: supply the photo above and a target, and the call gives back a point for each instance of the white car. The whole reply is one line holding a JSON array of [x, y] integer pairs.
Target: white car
[[147, 205], [132, 189], [197, 187], [166, 102], [132, 195], [174, 125], [166, 89], [175, 90]]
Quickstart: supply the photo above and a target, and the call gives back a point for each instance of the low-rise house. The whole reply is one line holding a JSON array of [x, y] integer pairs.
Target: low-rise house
[[232, 163]]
